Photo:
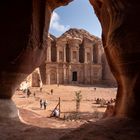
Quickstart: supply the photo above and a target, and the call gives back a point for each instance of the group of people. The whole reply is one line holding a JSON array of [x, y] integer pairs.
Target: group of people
[[25, 88], [104, 102], [43, 104], [27, 92]]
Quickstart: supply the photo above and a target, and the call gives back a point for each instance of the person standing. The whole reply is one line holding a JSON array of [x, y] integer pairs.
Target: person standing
[[41, 103], [45, 103], [51, 91]]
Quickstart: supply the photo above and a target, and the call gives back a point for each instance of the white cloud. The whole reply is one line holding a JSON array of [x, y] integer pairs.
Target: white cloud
[[56, 25]]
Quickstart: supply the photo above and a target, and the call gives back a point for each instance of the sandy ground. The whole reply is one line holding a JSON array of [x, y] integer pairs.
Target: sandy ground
[[36, 122], [37, 125], [67, 97]]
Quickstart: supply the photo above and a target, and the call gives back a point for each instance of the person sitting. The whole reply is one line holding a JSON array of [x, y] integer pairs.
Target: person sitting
[[55, 113]]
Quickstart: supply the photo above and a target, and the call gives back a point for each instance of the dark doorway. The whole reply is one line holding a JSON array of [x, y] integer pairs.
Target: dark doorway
[[74, 76]]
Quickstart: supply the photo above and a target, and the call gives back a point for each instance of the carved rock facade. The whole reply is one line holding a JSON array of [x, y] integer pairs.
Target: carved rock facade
[[76, 57]]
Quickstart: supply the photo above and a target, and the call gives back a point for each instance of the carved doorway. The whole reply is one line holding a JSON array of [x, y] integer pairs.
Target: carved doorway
[[53, 79], [74, 76]]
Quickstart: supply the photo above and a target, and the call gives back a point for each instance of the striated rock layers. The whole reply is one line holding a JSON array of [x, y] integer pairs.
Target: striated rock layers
[[120, 35], [24, 30]]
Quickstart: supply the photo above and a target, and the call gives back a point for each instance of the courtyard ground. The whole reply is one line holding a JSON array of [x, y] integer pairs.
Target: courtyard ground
[[89, 110], [36, 123]]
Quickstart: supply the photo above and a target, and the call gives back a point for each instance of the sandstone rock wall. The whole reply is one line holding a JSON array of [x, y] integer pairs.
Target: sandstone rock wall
[[120, 36]]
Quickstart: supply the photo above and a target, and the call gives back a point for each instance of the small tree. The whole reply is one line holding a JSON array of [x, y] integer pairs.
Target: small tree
[[78, 100]]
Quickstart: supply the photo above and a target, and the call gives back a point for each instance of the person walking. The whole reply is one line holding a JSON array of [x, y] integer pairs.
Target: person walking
[[41, 103]]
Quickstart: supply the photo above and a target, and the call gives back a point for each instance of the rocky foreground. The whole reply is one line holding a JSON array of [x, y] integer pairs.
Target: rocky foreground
[[112, 129]]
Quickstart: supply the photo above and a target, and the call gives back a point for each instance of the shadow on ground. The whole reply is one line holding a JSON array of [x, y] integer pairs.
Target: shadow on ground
[[15, 130], [35, 127], [110, 129]]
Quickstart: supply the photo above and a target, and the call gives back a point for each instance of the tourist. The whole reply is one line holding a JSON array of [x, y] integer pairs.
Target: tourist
[[26, 89], [56, 113], [45, 103], [51, 91], [41, 103]]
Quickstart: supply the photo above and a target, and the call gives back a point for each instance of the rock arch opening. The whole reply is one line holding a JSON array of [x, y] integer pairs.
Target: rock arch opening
[[76, 57], [120, 39]]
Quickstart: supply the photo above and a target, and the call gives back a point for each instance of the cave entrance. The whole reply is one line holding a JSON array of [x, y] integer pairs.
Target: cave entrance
[[82, 73]]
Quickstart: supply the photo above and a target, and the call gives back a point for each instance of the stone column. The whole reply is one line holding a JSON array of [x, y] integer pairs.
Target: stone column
[[78, 53], [99, 56], [57, 52], [100, 52], [49, 51], [64, 53], [85, 56], [91, 53], [70, 74], [70, 55], [57, 75], [65, 74]]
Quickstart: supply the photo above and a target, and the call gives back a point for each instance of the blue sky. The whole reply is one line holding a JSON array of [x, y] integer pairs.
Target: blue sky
[[78, 14]]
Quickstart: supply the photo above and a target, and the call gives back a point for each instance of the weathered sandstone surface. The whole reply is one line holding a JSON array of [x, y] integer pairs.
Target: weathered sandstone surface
[[24, 31], [120, 35]]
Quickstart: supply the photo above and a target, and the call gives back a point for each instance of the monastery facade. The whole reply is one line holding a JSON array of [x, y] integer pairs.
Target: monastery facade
[[76, 57]]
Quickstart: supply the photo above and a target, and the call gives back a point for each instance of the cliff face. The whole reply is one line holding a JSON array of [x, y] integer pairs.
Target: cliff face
[[120, 35], [23, 39]]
